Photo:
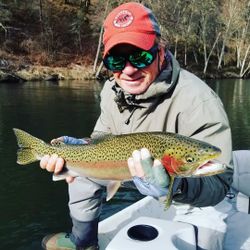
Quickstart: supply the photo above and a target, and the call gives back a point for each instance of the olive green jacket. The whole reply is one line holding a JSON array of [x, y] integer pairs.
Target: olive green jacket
[[177, 101]]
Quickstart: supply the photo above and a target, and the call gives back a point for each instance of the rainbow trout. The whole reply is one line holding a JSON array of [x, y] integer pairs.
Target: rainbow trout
[[106, 157]]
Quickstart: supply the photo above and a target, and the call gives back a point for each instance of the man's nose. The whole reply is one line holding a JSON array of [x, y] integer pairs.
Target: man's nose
[[129, 69]]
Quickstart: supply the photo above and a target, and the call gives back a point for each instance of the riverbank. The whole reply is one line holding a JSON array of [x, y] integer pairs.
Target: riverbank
[[13, 72], [37, 73]]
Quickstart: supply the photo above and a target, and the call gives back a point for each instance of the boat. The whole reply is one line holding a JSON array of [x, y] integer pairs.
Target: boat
[[146, 224]]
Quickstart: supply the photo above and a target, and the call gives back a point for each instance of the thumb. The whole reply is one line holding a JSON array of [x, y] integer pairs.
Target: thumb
[[160, 174]]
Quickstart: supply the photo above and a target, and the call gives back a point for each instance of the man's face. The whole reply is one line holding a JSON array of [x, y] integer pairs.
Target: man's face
[[131, 79]]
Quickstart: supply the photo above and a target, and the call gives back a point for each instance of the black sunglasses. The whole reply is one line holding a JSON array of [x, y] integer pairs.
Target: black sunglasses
[[139, 59]]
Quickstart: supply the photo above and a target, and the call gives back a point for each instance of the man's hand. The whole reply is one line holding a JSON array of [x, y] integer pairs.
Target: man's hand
[[53, 163], [149, 176]]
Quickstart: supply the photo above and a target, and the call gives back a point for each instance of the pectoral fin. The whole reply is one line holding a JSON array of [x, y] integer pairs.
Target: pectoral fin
[[170, 193], [64, 174], [112, 188]]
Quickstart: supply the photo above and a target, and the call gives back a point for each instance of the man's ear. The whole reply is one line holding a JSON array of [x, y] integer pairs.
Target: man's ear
[[161, 54]]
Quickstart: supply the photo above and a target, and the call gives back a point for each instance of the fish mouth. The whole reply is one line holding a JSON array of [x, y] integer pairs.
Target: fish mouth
[[210, 167]]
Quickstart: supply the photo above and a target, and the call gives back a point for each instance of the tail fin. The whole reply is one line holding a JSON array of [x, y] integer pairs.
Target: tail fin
[[27, 143]]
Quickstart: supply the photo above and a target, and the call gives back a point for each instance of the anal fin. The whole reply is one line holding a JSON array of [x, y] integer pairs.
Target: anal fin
[[112, 188]]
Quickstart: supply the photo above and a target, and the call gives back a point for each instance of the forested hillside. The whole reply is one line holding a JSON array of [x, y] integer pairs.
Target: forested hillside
[[205, 36]]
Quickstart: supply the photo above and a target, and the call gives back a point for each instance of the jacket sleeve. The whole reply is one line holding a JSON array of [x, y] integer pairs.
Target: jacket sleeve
[[207, 122]]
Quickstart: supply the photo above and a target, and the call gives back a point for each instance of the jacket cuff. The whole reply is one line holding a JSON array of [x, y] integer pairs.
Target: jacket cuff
[[179, 186]]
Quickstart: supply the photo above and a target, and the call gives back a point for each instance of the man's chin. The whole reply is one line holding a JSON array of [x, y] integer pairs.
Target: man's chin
[[134, 89]]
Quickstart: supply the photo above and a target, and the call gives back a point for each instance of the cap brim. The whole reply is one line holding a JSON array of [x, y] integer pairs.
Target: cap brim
[[142, 41]]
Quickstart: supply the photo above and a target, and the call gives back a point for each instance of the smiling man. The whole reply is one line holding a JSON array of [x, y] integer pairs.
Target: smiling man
[[132, 75], [148, 92]]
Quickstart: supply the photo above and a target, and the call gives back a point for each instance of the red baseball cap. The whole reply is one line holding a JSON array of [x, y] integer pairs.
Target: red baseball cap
[[130, 23]]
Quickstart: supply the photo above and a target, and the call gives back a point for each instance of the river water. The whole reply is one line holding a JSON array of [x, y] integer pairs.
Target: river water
[[31, 205]]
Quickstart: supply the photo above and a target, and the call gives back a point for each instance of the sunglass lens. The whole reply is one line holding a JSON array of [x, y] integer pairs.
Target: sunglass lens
[[141, 59], [114, 63]]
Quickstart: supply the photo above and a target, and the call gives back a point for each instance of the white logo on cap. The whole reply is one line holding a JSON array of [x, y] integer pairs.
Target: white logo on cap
[[123, 19]]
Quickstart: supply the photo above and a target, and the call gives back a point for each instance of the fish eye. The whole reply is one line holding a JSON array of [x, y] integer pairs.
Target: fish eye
[[189, 158]]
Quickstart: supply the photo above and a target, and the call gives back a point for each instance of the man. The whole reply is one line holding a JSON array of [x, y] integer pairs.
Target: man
[[148, 92]]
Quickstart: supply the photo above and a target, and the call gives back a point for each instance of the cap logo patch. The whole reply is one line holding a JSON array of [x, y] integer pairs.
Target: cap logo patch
[[123, 19]]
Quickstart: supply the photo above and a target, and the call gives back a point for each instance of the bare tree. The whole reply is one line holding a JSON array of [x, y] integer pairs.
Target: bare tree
[[207, 30], [41, 14], [99, 43], [243, 32], [245, 63], [229, 16]]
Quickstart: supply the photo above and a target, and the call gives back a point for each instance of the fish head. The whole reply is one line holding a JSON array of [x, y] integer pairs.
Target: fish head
[[189, 158]]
